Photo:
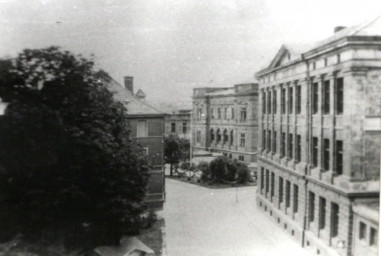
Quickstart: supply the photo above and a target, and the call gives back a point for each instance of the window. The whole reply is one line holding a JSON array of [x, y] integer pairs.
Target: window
[[339, 157], [264, 103], [290, 100], [298, 99], [269, 103], [315, 151], [264, 139], [322, 211], [141, 128], [274, 102], [226, 136], [283, 145], [274, 141], [362, 230], [296, 202], [211, 135], [338, 58], [298, 155], [326, 155], [218, 135], [198, 136], [280, 190], [339, 96], [262, 178], [267, 181], [241, 158], [230, 156], [173, 127], [231, 138], [225, 113], [185, 128], [325, 62], [243, 114], [311, 207], [232, 113], [315, 98], [282, 101], [212, 113], [269, 141], [334, 220], [290, 145], [219, 113], [272, 184], [288, 190], [199, 113], [373, 237], [242, 141], [326, 93]]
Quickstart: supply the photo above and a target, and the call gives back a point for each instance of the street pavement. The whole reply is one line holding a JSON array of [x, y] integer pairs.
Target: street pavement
[[216, 222]]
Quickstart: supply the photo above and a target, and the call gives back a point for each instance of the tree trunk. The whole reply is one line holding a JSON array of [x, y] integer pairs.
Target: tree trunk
[[171, 170]]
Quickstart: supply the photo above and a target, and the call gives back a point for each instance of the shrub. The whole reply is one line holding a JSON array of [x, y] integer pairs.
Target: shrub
[[218, 168], [243, 173], [185, 166], [204, 168]]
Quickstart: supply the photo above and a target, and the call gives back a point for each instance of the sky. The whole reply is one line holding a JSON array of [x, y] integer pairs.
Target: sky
[[172, 46]]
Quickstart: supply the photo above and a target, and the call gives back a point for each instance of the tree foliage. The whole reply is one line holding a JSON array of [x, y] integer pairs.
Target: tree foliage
[[68, 169]]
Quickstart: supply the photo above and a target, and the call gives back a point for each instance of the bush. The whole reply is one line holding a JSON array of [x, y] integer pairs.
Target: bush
[[218, 168], [243, 173], [204, 168], [185, 166]]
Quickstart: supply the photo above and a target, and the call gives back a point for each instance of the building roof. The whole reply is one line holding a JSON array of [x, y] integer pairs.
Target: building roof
[[369, 210], [134, 105], [127, 246]]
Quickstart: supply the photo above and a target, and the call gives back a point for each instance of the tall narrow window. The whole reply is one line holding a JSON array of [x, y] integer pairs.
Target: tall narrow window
[[198, 136], [226, 136], [290, 100], [225, 113], [290, 145], [243, 114], [219, 137], [219, 113], [272, 184], [322, 211], [173, 127], [373, 237], [264, 102], [311, 207], [283, 145], [326, 155], [269, 102], [264, 139], [362, 230], [267, 181], [212, 113], [185, 128], [326, 105], [339, 157], [296, 198], [269, 141], [231, 137], [274, 102], [243, 140], [288, 192], [262, 179], [298, 148], [283, 101], [141, 128], [334, 219], [232, 113], [298, 99], [339, 96], [315, 151], [211, 135], [274, 141], [280, 190], [315, 98]]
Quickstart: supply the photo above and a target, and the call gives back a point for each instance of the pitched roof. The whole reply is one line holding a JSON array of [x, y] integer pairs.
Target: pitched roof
[[134, 105]]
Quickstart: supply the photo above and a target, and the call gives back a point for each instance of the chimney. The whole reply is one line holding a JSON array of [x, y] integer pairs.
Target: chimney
[[129, 83], [338, 28]]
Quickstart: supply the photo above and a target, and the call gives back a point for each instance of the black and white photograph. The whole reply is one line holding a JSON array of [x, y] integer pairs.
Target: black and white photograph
[[190, 127]]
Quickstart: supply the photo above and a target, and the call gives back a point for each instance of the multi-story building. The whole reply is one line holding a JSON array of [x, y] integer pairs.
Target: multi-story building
[[178, 123], [147, 129], [225, 120], [320, 133]]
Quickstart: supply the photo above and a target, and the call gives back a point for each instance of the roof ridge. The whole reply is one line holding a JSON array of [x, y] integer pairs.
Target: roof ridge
[[364, 25]]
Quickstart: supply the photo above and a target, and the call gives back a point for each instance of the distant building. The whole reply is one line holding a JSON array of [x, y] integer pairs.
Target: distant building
[[147, 128], [178, 123], [225, 120], [320, 134]]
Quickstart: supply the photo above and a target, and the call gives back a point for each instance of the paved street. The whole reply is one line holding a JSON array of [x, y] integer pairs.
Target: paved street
[[201, 221]]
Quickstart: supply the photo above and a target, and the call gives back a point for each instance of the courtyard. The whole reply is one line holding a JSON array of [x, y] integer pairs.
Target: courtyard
[[202, 221]]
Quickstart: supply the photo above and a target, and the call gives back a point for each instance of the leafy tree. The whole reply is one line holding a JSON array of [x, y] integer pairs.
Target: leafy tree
[[68, 169], [172, 151], [218, 168], [185, 149]]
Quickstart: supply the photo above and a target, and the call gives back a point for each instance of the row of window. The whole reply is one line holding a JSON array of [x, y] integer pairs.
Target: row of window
[[218, 137], [185, 127], [269, 98], [240, 157], [219, 116], [363, 234], [269, 143]]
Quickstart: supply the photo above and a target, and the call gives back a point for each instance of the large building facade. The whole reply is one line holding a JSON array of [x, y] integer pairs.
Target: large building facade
[[225, 120], [320, 134]]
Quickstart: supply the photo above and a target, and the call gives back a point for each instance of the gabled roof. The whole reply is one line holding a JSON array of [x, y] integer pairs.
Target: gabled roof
[[134, 105]]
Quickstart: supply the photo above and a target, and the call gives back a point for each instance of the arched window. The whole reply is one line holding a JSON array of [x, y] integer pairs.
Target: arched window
[[218, 135], [226, 136], [211, 135], [231, 137]]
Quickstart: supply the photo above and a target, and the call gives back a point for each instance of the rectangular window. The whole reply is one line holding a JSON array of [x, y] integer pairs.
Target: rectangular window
[[283, 101], [334, 219], [298, 99], [241, 158], [274, 102], [373, 237], [288, 190], [272, 184], [339, 96], [283, 144], [290, 100], [326, 155], [219, 113], [268, 102], [280, 190], [232, 113], [290, 145], [267, 181], [311, 207], [262, 179], [315, 151], [274, 141], [173, 127], [185, 130], [362, 230], [298, 156], [243, 114], [269, 141], [198, 136], [339, 157], [212, 113], [243, 140], [264, 103], [225, 113], [315, 98], [322, 212], [296, 198], [141, 129], [264, 139], [326, 92]]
